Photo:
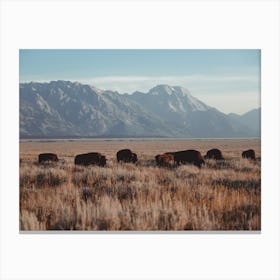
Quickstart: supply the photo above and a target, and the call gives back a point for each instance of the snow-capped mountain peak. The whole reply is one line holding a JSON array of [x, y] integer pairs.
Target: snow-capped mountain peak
[[162, 89], [177, 98], [169, 90]]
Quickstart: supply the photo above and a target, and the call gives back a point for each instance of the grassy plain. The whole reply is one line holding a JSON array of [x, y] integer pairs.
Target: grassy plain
[[223, 195]]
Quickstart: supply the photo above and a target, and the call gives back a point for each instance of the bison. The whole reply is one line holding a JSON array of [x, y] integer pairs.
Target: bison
[[126, 155], [134, 158], [47, 157], [90, 159], [165, 160], [214, 154], [250, 154], [188, 156]]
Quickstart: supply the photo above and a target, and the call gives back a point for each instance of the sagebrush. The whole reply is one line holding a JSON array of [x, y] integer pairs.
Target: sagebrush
[[222, 195]]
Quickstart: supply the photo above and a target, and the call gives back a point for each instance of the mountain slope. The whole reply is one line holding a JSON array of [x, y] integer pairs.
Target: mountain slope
[[178, 108], [251, 119], [72, 109], [66, 109]]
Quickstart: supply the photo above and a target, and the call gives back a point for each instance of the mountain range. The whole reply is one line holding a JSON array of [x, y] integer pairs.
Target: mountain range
[[64, 109]]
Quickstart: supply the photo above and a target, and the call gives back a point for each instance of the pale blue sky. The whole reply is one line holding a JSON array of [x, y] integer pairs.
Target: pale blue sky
[[226, 79]]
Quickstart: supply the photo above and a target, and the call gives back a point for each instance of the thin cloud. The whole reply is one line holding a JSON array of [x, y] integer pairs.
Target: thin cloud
[[143, 83], [169, 78]]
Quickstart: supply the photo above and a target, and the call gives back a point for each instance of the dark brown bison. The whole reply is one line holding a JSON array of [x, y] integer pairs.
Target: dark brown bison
[[134, 158], [188, 156], [126, 155], [165, 160], [250, 154], [214, 154], [47, 157], [91, 159]]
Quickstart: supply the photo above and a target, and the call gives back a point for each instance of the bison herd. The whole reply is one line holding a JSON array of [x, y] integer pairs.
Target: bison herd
[[168, 159]]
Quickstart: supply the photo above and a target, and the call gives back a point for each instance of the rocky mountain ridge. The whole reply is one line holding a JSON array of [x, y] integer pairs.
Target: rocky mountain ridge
[[61, 109]]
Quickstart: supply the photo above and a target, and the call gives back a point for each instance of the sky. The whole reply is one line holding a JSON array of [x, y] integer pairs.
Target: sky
[[228, 80]]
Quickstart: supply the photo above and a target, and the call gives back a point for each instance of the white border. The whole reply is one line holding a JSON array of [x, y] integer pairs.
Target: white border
[[146, 24]]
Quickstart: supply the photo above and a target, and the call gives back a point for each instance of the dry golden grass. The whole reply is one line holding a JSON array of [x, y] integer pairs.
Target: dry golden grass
[[62, 196]]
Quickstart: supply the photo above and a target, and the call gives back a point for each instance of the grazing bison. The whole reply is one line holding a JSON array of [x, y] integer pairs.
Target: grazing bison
[[188, 156], [250, 154], [90, 159], [47, 157], [126, 155], [214, 154], [134, 157], [166, 160]]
